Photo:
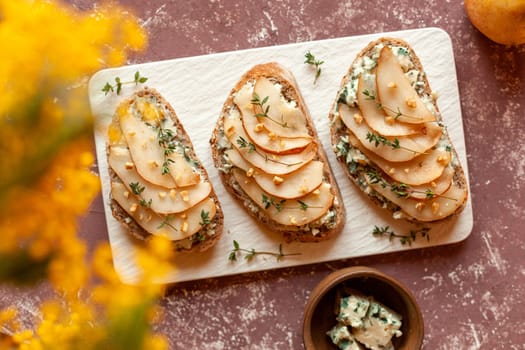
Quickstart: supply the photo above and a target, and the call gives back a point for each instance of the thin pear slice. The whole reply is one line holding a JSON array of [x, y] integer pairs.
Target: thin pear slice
[[421, 170], [376, 118], [293, 185], [267, 162], [281, 118], [288, 211], [408, 147], [427, 210], [436, 187], [258, 133], [148, 155], [395, 93], [174, 226], [163, 200]]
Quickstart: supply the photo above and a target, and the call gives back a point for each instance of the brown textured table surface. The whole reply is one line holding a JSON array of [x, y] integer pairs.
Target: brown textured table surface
[[472, 293]]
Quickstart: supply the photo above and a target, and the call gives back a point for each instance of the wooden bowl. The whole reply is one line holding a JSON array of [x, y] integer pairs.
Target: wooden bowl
[[319, 316]]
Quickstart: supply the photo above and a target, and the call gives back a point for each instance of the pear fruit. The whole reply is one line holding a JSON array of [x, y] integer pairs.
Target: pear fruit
[[502, 21]]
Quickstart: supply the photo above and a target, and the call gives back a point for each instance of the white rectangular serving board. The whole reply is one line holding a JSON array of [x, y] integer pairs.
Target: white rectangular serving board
[[198, 86]]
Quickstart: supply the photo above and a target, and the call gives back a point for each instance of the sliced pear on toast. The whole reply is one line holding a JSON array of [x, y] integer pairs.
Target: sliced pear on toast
[[174, 226], [393, 149], [267, 162], [395, 93], [436, 187], [294, 185], [150, 157], [374, 115], [430, 210], [163, 200], [280, 118], [258, 133], [288, 211], [418, 171]]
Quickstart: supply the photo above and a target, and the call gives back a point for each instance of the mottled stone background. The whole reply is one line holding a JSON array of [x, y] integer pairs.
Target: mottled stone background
[[472, 293]]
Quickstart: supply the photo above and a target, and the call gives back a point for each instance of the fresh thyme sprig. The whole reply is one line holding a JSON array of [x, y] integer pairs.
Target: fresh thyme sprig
[[117, 87], [311, 60], [166, 222], [205, 218], [378, 139], [397, 113], [280, 205], [166, 141], [243, 143], [270, 201], [256, 100], [137, 190], [401, 189], [403, 239], [251, 253]]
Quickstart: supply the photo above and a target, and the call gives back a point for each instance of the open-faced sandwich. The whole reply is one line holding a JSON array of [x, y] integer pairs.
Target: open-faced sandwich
[[387, 131], [158, 186], [269, 157]]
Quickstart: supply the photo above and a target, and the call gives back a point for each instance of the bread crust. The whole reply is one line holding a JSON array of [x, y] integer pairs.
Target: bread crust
[[338, 131], [132, 227], [275, 72]]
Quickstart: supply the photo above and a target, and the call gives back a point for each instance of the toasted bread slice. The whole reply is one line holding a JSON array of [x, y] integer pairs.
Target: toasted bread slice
[[388, 133], [263, 144], [158, 185]]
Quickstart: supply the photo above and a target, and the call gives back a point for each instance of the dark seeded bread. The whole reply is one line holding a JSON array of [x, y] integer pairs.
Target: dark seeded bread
[[133, 228], [275, 72], [338, 130]]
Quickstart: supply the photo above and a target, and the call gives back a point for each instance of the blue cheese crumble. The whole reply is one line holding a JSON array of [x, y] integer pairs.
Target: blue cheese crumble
[[364, 323]]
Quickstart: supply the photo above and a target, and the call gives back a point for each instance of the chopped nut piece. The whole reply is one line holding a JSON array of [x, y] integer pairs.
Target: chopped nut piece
[[250, 172], [126, 194], [271, 135], [230, 130], [144, 145], [406, 170], [184, 227], [162, 194], [420, 206], [133, 207], [148, 218], [183, 215], [390, 120], [277, 180], [151, 138], [184, 195], [435, 207], [303, 189], [293, 221], [443, 159], [391, 171], [411, 102], [434, 95], [433, 184], [129, 165], [173, 194], [317, 192], [132, 133], [258, 127], [153, 164], [141, 217], [358, 118], [392, 85]]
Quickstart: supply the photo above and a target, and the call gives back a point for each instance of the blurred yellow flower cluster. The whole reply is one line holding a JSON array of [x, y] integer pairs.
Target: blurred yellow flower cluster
[[46, 180]]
